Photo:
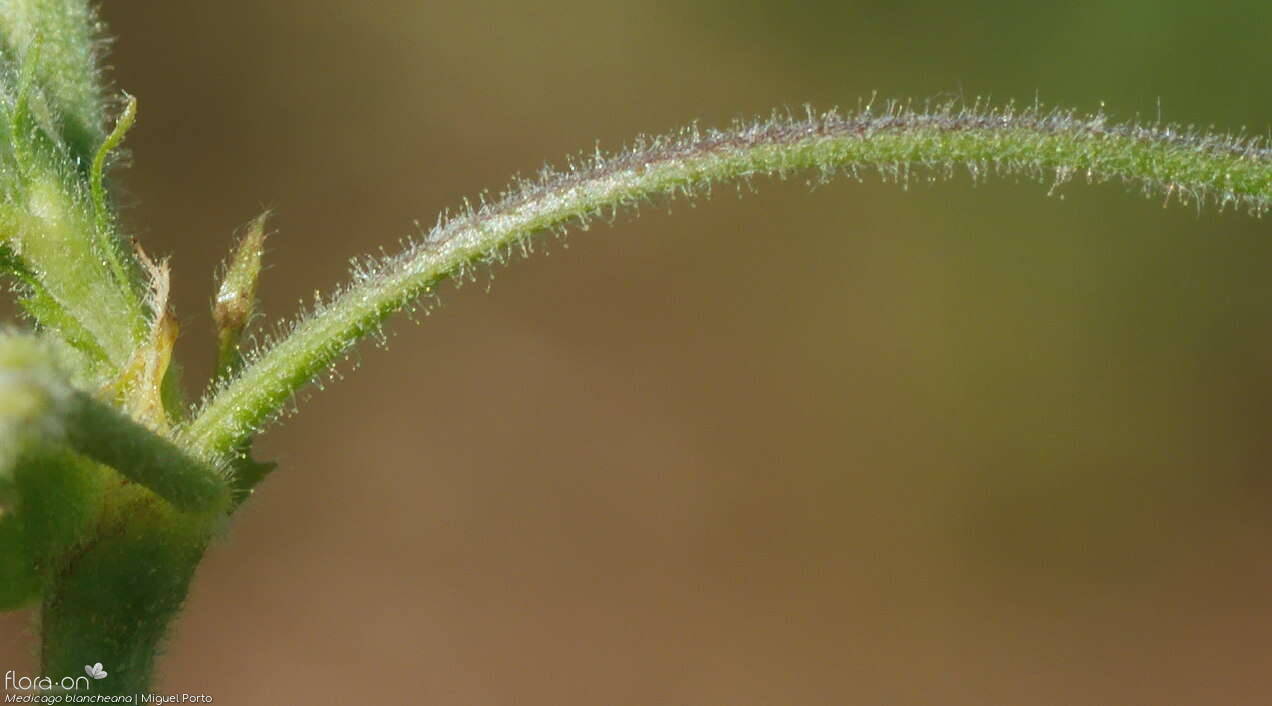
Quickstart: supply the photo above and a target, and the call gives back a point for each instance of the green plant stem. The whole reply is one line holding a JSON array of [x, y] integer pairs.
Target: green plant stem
[[38, 407], [111, 437], [113, 553], [113, 601], [1161, 160]]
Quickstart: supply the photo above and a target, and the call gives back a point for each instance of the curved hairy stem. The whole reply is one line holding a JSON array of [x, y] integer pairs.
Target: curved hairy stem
[[1224, 170]]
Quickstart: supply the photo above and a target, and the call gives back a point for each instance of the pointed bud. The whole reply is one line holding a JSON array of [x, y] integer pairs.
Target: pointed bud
[[236, 296]]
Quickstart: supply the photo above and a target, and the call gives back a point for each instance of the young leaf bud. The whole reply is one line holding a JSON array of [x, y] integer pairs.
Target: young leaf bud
[[235, 301]]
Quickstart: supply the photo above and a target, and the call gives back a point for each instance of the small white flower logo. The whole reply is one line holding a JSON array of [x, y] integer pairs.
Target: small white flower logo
[[95, 671]]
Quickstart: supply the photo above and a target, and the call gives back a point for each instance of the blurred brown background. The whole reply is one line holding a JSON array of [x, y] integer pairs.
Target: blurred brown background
[[961, 444]]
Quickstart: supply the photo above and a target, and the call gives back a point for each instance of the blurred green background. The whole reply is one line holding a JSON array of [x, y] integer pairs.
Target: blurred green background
[[957, 444]]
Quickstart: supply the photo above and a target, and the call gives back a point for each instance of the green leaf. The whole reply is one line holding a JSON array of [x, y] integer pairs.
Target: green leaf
[[82, 283], [51, 227], [42, 308], [63, 34]]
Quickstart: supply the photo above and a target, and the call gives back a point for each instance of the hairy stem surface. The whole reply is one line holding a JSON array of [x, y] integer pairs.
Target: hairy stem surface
[[1056, 146]]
